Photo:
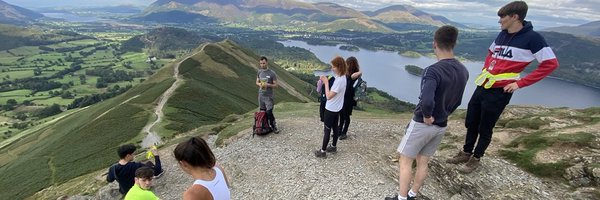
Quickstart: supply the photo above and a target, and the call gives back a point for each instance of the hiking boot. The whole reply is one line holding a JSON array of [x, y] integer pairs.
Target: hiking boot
[[461, 157], [470, 166], [159, 175], [331, 149], [320, 154], [276, 130], [343, 137]]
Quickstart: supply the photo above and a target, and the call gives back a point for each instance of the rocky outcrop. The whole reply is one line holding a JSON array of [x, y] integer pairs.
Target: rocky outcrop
[[585, 173], [494, 179]]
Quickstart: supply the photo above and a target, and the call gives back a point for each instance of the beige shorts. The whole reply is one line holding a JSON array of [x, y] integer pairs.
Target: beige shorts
[[420, 139]]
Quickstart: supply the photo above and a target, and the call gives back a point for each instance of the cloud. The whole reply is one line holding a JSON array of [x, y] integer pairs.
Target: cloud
[[75, 3], [544, 13]]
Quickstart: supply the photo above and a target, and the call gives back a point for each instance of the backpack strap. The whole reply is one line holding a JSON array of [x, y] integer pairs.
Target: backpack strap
[[113, 171], [357, 83]]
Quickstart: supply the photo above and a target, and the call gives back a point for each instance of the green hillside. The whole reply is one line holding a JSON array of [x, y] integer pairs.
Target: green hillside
[[14, 36], [84, 140], [221, 76], [355, 24], [168, 42], [577, 56]]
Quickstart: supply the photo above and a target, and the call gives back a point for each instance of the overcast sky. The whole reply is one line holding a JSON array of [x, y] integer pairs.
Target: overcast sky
[[543, 13]]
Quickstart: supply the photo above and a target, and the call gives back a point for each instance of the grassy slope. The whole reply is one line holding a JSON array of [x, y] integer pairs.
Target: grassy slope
[[78, 144], [221, 77], [85, 141]]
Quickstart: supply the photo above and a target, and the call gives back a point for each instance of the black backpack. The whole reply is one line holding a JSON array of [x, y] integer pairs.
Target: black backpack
[[360, 90]]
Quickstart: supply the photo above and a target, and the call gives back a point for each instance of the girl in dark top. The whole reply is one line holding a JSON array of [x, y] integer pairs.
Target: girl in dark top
[[352, 74]]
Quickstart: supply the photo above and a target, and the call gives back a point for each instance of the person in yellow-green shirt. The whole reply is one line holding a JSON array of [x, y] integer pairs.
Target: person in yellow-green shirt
[[141, 188]]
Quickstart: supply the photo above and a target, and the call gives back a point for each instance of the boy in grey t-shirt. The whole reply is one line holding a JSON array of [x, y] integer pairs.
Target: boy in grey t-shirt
[[266, 80]]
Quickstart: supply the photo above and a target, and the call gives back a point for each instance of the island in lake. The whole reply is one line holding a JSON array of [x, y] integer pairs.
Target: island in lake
[[414, 70], [349, 48]]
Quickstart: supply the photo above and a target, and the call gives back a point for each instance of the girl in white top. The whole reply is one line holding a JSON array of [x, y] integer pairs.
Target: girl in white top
[[335, 102], [196, 158]]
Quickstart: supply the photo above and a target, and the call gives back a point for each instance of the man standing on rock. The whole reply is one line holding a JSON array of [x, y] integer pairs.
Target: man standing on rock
[[514, 48], [442, 88], [266, 80]]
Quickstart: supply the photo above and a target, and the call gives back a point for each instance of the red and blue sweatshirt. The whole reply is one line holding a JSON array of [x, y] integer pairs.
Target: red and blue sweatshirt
[[511, 53]]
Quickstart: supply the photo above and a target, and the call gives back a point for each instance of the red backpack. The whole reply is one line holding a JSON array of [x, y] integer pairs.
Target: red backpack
[[261, 126]]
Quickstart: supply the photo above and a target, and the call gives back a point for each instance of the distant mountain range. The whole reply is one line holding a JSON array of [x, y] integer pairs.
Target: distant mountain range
[[12, 36], [319, 16], [589, 29], [120, 9], [15, 14]]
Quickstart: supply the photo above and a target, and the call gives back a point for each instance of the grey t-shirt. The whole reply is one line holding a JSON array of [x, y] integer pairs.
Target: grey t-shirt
[[267, 76]]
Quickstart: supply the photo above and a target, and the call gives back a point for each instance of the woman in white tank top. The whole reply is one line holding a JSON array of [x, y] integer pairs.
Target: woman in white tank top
[[196, 159]]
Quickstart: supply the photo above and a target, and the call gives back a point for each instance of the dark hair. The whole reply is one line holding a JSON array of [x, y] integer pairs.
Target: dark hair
[[512, 8], [144, 172], [352, 64], [196, 152], [338, 62], [126, 149], [264, 58], [445, 37]]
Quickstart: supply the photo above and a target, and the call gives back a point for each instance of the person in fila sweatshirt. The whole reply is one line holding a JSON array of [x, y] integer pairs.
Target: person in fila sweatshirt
[[516, 46]]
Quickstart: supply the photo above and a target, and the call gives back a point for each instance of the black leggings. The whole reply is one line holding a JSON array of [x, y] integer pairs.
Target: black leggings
[[345, 119], [331, 122]]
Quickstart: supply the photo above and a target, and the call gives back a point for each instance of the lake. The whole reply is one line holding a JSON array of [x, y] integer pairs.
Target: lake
[[385, 71]]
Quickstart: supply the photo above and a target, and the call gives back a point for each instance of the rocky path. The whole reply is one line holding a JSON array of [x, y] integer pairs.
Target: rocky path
[[151, 137], [282, 166]]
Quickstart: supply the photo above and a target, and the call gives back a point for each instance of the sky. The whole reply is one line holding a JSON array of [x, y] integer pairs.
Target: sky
[[543, 13]]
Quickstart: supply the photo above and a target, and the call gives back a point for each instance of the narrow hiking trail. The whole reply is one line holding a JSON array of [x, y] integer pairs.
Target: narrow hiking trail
[[152, 138]]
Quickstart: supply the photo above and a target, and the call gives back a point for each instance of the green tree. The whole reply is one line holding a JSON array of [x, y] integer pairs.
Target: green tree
[[10, 104], [49, 111], [82, 79], [37, 71]]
